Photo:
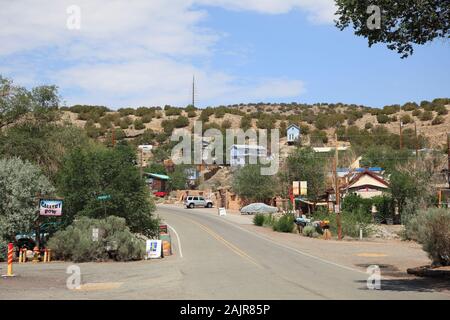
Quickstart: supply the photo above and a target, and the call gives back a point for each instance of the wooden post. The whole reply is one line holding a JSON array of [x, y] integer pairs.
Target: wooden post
[[337, 192], [417, 141], [401, 135]]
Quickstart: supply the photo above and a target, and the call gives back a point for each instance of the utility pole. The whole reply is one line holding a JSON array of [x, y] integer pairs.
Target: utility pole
[[401, 135], [417, 141], [141, 167], [193, 91], [113, 137], [448, 156], [337, 192]]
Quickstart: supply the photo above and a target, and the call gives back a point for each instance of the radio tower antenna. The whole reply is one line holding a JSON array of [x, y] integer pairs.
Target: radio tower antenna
[[193, 91]]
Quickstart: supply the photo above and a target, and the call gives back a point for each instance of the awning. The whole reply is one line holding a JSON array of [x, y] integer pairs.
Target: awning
[[158, 176]]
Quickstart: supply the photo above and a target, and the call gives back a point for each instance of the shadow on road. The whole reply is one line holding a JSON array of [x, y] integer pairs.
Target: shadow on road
[[412, 284]]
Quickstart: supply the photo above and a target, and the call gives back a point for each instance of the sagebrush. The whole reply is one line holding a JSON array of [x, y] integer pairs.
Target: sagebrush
[[115, 241]]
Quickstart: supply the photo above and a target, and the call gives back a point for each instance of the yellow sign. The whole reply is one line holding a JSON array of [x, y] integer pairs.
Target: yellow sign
[[296, 188], [303, 188]]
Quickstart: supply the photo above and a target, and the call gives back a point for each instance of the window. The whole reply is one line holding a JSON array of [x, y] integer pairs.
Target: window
[[195, 199]]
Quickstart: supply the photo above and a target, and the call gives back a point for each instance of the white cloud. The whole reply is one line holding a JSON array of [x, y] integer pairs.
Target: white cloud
[[136, 52], [320, 11]]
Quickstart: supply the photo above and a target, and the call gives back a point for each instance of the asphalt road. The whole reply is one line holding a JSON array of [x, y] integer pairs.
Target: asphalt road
[[221, 260], [214, 258]]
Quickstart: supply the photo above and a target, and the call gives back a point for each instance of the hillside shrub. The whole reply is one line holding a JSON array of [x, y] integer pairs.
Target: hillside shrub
[[406, 118], [146, 118], [115, 241], [382, 119], [191, 114], [126, 112], [171, 111], [417, 113], [139, 125], [226, 124], [181, 122], [426, 116], [438, 120]]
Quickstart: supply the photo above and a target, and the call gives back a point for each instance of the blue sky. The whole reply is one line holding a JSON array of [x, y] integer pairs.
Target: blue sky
[[145, 53]]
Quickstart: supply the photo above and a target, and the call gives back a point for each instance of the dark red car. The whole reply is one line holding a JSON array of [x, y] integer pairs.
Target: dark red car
[[160, 194]]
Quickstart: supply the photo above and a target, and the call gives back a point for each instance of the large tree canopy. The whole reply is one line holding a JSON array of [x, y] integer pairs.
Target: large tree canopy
[[20, 183], [249, 184], [89, 173], [41, 103], [403, 22], [305, 165]]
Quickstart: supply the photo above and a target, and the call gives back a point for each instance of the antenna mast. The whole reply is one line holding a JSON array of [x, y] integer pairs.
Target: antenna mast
[[193, 91]]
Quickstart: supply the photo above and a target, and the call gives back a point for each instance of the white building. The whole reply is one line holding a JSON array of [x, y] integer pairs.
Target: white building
[[293, 134], [145, 148], [239, 153]]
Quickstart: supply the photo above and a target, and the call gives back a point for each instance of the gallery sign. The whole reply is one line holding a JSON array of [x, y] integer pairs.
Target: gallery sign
[[50, 208]]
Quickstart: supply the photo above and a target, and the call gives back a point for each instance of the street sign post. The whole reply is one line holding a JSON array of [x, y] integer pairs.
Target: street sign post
[[104, 197]]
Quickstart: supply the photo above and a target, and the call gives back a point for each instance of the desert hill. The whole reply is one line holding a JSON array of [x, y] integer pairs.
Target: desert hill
[[432, 119]]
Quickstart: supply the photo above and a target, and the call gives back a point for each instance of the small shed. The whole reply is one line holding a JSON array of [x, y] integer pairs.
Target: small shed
[[157, 182]]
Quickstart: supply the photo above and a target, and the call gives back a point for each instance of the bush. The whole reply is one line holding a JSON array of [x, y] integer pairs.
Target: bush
[[226, 124], [309, 231], [382, 119], [192, 114], [115, 241], [351, 222], [406, 118], [258, 219], [438, 120], [269, 220], [284, 224], [139, 125], [181, 122], [146, 118], [433, 232], [426, 116], [126, 111], [3, 249]]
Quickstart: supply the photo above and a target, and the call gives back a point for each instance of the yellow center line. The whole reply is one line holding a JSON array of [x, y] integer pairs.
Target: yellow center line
[[231, 246]]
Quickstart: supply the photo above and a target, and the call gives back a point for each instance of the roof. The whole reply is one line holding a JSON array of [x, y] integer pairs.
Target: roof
[[373, 169], [369, 173], [293, 126], [329, 149], [249, 146], [158, 176]]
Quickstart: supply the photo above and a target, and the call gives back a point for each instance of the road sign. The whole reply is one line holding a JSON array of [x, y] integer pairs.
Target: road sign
[[104, 197], [222, 212]]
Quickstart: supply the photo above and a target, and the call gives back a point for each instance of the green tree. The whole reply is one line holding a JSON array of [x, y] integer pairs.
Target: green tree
[[20, 182], [89, 173], [249, 184], [404, 23], [305, 165], [42, 144], [178, 178], [246, 122]]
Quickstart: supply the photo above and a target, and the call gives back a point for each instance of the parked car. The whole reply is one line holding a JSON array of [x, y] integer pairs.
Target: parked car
[[197, 201], [160, 194]]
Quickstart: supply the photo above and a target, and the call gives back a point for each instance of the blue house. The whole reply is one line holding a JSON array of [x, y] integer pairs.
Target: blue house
[[293, 134]]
